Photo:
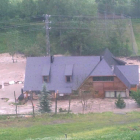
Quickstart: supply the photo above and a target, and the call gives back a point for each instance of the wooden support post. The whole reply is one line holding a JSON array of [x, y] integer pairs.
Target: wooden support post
[[55, 103], [31, 95], [69, 104], [15, 103]]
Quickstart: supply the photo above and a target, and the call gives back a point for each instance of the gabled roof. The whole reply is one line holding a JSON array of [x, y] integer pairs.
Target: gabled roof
[[82, 67], [120, 62], [128, 74], [33, 72], [102, 69], [111, 59], [79, 68]]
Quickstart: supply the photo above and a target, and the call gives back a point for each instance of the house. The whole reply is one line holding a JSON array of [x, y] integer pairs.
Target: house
[[104, 76]]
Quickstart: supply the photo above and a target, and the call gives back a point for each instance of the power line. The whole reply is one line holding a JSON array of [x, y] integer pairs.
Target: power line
[[88, 16], [25, 31], [53, 22], [73, 16], [84, 28], [33, 29]]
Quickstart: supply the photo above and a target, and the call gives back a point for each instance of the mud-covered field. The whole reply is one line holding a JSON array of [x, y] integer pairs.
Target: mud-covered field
[[10, 71]]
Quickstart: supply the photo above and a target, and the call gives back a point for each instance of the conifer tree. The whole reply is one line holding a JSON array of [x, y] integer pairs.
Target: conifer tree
[[120, 102], [44, 101]]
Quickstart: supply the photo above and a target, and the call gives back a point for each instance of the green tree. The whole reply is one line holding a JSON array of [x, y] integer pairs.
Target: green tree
[[106, 5], [44, 101], [33, 51], [12, 42], [4, 7], [120, 102], [41, 41], [72, 31], [136, 96], [66, 7], [114, 6], [28, 8], [136, 8]]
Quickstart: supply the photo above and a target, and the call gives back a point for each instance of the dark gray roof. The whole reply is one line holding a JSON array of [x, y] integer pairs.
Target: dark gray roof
[[111, 59], [46, 70], [79, 67], [129, 74], [120, 62], [82, 66], [68, 70], [103, 69]]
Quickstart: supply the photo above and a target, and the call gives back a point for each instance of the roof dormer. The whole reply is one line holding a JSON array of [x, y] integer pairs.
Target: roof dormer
[[68, 73], [46, 73]]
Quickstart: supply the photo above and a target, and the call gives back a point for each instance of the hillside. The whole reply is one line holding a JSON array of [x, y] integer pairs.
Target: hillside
[[18, 37], [136, 28], [95, 126], [84, 27], [90, 39]]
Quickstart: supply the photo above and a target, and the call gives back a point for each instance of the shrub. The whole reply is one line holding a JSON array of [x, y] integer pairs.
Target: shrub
[[33, 51], [62, 110], [120, 102], [136, 96]]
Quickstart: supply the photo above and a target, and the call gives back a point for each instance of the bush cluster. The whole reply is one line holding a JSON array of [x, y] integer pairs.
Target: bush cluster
[[120, 102]]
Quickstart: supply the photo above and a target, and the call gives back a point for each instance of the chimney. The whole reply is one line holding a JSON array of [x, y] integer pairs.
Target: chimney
[[101, 58], [52, 58]]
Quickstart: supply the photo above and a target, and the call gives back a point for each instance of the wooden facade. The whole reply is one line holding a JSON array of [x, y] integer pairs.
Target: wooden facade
[[134, 88], [98, 88]]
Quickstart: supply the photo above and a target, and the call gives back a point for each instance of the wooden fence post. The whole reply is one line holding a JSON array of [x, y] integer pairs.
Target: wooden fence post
[[55, 103], [69, 104], [66, 136], [31, 95], [15, 103]]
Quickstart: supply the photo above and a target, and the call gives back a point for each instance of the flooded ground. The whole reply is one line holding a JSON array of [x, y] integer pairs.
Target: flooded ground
[[10, 72]]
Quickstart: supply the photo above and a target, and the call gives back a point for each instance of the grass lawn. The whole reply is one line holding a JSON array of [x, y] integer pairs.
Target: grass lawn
[[96, 126]]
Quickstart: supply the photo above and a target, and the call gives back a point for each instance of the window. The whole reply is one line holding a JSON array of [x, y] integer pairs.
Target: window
[[109, 94], [68, 78], [75, 92], [103, 78], [46, 79], [68, 73]]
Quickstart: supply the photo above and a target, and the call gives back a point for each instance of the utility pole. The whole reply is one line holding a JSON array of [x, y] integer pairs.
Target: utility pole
[[106, 30], [47, 34]]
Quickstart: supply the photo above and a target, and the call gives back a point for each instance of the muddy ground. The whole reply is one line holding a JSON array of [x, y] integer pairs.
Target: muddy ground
[[10, 71]]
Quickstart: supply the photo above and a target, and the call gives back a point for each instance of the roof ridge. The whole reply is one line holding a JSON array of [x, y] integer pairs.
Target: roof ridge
[[103, 61], [106, 62], [90, 73], [79, 56], [117, 59]]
